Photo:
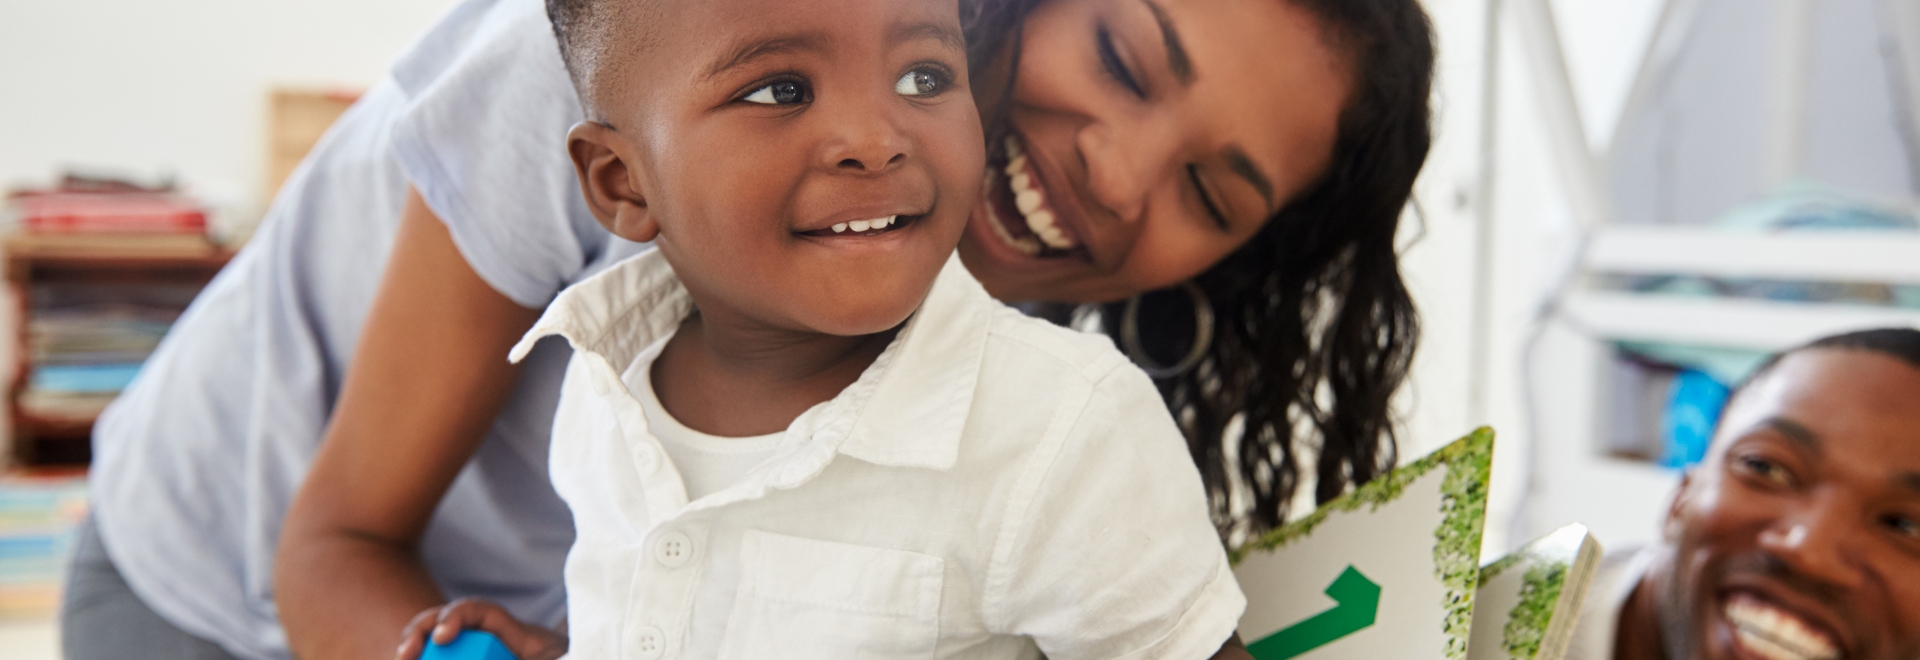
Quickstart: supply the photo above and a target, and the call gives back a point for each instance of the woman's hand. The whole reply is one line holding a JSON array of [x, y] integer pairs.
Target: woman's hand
[[427, 378], [442, 624]]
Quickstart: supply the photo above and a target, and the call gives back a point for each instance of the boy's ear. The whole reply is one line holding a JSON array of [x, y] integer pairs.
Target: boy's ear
[[605, 163]]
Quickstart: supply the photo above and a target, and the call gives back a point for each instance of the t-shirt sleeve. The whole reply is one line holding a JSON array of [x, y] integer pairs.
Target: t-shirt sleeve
[[1115, 555], [484, 141]]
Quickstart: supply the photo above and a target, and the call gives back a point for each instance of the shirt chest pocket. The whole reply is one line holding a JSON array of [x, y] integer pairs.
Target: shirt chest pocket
[[802, 598]]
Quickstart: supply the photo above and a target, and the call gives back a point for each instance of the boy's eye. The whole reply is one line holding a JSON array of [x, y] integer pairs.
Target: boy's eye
[[920, 82], [784, 92]]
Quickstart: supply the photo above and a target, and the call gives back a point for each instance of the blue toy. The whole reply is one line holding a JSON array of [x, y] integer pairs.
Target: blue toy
[[470, 645]]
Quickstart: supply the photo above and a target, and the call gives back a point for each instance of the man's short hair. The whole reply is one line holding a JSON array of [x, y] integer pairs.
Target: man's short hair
[[1899, 343]]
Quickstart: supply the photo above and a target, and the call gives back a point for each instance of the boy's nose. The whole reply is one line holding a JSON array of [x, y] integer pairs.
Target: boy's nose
[[864, 141]]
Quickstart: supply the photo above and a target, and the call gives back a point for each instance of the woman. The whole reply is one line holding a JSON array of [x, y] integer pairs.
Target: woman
[[1249, 157]]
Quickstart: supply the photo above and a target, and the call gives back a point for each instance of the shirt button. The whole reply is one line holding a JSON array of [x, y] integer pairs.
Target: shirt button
[[646, 458], [673, 549], [649, 643]]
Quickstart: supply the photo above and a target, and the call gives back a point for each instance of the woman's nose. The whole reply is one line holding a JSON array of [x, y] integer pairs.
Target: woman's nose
[[1123, 163], [862, 139]]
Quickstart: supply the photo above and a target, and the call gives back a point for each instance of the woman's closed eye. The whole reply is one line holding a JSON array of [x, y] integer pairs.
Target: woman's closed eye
[[780, 92], [1110, 60], [1206, 200]]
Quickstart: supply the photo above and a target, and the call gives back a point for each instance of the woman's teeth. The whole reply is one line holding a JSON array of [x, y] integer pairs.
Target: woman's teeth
[[1773, 633], [1031, 201], [864, 225]]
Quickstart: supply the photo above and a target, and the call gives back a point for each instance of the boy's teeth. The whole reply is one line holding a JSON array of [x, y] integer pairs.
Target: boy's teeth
[[1031, 201], [857, 225], [1775, 634], [1013, 147], [839, 227]]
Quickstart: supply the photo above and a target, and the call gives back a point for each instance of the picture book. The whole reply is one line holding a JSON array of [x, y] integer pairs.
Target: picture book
[[1385, 572], [1529, 600]]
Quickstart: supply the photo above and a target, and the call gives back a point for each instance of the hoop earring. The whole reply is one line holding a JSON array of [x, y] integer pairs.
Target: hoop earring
[[1202, 335]]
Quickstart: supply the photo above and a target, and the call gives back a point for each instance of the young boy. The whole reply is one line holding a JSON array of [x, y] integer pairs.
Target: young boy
[[798, 427]]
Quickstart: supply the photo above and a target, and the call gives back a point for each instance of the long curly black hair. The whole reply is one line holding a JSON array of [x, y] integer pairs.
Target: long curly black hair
[[1314, 328]]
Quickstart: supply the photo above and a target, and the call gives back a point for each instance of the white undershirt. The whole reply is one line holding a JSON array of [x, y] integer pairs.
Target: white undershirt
[[706, 463]]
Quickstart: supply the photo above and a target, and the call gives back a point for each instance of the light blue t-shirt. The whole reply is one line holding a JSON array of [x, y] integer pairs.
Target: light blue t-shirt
[[195, 465]]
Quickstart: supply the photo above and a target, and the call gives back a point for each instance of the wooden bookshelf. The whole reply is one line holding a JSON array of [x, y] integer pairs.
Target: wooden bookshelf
[[39, 263]]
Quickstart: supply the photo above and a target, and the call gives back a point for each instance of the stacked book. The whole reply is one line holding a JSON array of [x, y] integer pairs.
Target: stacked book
[[87, 341], [87, 335], [38, 518]]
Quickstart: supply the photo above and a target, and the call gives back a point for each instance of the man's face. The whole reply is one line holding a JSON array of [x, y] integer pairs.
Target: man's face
[[1799, 537]]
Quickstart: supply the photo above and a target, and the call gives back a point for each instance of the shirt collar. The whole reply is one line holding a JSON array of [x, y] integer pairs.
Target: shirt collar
[[907, 410]]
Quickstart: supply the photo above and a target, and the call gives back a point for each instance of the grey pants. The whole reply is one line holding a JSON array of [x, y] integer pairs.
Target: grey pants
[[101, 619]]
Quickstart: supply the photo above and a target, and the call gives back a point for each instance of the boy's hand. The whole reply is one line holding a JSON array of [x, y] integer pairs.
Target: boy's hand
[[442, 624]]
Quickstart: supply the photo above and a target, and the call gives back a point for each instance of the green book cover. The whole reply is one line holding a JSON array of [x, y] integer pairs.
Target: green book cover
[[1385, 572], [1529, 601]]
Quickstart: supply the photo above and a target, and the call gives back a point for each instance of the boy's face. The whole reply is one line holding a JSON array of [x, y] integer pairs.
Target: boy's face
[[751, 130]]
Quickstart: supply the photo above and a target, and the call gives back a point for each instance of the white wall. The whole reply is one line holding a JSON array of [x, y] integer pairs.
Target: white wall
[[1530, 234], [180, 87], [151, 88]]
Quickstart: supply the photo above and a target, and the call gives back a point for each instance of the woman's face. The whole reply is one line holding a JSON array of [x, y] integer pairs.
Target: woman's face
[[1145, 141]]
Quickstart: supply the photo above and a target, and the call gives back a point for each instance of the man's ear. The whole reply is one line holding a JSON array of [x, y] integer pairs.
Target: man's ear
[[1671, 528], [609, 177]]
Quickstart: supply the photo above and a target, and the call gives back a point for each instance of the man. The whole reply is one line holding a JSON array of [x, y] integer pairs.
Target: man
[[1798, 538]]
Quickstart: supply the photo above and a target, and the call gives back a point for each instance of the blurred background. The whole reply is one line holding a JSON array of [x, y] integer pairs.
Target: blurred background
[[1629, 203]]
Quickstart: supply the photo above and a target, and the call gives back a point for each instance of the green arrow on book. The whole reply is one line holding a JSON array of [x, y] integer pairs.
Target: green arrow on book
[[1356, 604]]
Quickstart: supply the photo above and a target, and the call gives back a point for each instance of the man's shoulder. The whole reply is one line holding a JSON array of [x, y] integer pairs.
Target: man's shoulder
[[1620, 570]]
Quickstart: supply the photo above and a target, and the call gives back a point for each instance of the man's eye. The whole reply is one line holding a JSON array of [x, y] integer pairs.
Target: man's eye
[[1904, 525], [785, 92], [921, 82], [1766, 469]]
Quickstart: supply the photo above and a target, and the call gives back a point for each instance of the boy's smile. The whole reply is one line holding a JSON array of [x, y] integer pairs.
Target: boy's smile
[[806, 166]]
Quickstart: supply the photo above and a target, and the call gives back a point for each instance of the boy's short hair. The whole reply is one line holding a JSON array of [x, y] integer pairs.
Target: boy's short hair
[[586, 31]]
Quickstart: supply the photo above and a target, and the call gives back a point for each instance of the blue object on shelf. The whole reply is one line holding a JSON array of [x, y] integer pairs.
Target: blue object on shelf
[[83, 378], [470, 645], [1693, 407]]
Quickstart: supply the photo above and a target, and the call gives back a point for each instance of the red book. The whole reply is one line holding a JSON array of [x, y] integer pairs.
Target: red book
[[111, 213]]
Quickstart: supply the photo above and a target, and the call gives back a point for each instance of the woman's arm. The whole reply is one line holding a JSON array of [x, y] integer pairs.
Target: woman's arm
[[428, 378]]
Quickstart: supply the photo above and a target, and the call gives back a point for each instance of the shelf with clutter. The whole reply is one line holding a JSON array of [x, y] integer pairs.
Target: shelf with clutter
[[99, 270], [1691, 311]]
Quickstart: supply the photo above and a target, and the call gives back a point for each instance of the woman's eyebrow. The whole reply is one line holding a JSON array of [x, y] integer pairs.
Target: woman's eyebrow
[[1177, 60]]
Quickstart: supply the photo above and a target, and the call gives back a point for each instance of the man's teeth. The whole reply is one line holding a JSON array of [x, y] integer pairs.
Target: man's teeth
[[864, 225], [1032, 201], [1775, 634]]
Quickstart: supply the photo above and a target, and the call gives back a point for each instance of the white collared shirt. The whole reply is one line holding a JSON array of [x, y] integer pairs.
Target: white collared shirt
[[992, 486]]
